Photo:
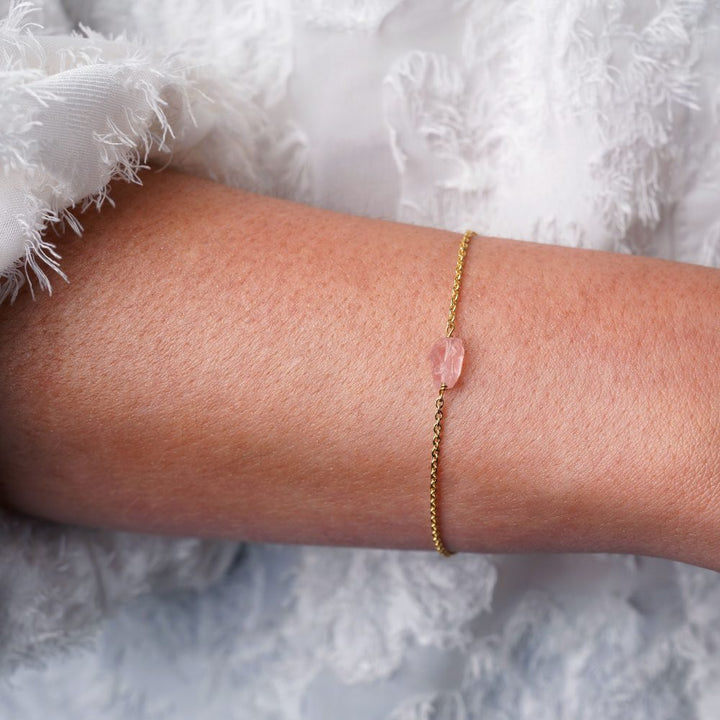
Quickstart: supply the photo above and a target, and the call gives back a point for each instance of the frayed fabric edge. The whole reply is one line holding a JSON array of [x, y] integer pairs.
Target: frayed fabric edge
[[123, 153]]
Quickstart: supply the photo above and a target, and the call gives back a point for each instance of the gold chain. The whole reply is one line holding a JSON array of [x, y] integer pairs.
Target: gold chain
[[439, 403], [439, 545], [456, 284]]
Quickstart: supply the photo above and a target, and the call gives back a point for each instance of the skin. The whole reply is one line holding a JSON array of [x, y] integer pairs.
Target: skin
[[224, 364]]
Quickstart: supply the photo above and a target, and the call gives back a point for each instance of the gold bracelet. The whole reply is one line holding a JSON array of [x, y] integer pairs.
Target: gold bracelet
[[446, 358]]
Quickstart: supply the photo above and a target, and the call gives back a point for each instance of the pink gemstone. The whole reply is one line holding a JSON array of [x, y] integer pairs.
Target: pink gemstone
[[446, 356]]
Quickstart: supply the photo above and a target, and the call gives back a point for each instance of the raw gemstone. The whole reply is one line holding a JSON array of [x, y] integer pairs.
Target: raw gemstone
[[446, 357]]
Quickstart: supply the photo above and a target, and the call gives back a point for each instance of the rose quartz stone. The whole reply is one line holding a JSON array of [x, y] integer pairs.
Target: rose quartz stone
[[446, 357]]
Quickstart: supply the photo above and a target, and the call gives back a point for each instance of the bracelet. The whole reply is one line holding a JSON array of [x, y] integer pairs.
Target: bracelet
[[446, 358]]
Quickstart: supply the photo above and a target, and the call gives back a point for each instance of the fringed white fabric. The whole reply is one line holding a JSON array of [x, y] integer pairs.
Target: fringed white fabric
[[76, 113], [80, 110]]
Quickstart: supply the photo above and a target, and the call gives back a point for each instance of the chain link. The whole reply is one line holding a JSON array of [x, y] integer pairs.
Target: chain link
[[456, 283], [437, 429], [440, 402]]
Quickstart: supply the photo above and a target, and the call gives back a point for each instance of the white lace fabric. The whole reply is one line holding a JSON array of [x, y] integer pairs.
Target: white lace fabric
[[579, 123]]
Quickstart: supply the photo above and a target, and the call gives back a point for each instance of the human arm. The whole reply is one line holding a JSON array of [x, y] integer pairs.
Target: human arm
[[230, 365]]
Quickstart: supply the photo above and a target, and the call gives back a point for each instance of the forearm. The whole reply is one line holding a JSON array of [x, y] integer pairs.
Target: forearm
[[229, 365]]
